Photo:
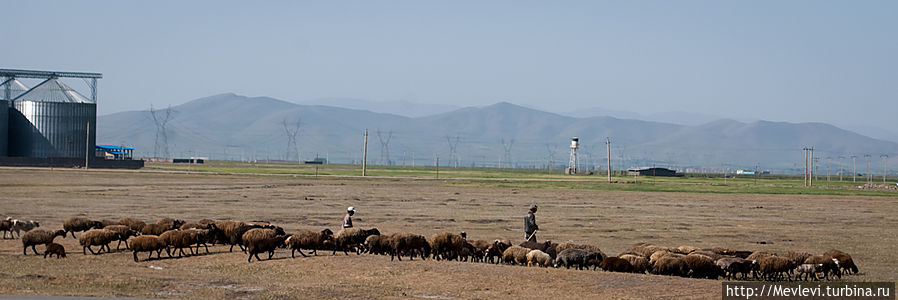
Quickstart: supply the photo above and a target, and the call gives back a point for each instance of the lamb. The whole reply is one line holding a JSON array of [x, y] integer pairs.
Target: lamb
[[669, 265], [577, 257], [796, 259], [539, 258], [494, 252], [772, 268], [19, 226], [39, 237], [348, 238], [830, 265], [807, 270], [734, 265], [703, 267], [845, 260], [97, 237], [177, 239], [54, 248], [268, 244], [548, 247], [640, 264], [310, 240], [377, 244], [123, 233], [515, 255], [135, 224], [75, 224], [616, 264], [6, 227], [447, 245], [411, 244], [148, 243]]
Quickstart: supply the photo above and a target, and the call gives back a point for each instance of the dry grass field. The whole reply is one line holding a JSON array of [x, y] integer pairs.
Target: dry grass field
[[865, 226]]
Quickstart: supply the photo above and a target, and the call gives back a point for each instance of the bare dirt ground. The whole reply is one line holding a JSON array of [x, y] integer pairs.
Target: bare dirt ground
[[866, 227]]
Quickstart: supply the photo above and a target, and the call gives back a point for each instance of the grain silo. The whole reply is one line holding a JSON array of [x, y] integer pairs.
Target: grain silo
[[52, 120], [9, 89]]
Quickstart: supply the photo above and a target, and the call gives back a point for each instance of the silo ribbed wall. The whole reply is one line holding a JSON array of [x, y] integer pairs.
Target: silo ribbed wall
[[51, 129], [4, 127]]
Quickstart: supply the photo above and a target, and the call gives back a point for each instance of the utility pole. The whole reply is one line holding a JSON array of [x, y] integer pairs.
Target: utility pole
[[854, 169], [608, 147], [811, 177], [438, 167], [884, 158], [365, 155], [816, 168], [828, 163], [805, 165], [869, 178], [840, 167]]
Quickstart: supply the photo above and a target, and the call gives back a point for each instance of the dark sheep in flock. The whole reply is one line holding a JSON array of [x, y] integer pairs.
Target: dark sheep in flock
[[352, 238], [409, 244], [268, 244], [6, 227], [671, 265], [845, 260], [310, 240], [19, 226], [135, 224], [515, 255], [539, 258], [703, 266], [257, 234], [39, 237], [54, 248], [76, 224], [178, 240], [148, 243], [579, 258], [96, 237], [735, 265], [774, 268], [236, 235], [107, 222], [494, 251], [202, 237], [589, 248], [377, 244], [447, 245], [480, 247], [830, 265], [640, 264], [123, 233], [226, 229], [616, 264]]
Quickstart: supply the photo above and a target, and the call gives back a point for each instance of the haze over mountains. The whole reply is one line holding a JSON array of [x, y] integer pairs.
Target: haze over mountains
[[229, 126]]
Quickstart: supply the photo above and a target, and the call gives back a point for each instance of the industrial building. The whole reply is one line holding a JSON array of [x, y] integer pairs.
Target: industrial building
[[50, 124], [653, 172]]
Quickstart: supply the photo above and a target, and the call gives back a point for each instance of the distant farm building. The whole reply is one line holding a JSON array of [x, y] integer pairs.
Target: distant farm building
[[112, 152], [653, 172]]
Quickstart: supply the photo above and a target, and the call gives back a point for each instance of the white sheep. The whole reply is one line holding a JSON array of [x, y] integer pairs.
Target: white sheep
[[539, 258]]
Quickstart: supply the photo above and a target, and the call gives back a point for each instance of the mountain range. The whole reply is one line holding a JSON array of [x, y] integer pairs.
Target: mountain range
[[229, 126]]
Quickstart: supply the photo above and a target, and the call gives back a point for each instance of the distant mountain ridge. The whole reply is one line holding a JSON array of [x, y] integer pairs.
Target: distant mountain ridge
[[229, 126]]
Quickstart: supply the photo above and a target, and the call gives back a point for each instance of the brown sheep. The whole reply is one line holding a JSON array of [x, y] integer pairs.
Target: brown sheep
[[75, 224], [640, 264], [268, 244], [6, 227], [712, 255], [39, 237], [310, 240], [236, 237], [494, 252], [616, 264], [411, 244], [686, 249], [735, 265], [352, 238], [107, 222], [377, 244], [515, 255], [845, 260], [480, 247], [672, 266], [703, 267], [757, 255], [158, 228], [653, 259], [134, 224], [589, 248], [177, 239], [548, 247], [830, 266], [260, 233], [773, 268], [173, 223], [447, 245], [148, 243], [123, 233], [97, 237], [54, 248], [201, 237]]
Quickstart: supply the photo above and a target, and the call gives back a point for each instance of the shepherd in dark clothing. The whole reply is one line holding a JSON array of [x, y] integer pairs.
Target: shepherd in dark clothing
[[530, 226]]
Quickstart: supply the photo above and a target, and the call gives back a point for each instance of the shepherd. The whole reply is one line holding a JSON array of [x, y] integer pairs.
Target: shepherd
[[530, 226], [347, 220]]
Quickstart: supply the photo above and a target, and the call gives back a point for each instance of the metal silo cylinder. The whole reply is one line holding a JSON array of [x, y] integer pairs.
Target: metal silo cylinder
[[4, 127], [52, 129]]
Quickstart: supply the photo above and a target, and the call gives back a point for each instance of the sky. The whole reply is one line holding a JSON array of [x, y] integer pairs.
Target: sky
[[795, 61]]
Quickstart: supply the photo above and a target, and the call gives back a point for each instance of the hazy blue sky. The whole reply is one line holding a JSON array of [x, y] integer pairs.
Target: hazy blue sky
[[832, 61]]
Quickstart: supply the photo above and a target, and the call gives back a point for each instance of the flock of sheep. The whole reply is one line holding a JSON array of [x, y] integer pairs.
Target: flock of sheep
[[254, 238]]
